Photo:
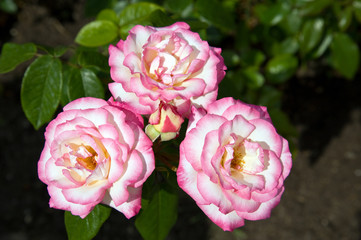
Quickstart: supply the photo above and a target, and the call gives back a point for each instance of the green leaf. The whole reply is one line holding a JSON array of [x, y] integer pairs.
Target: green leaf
[[13, 54], [345, 55], [280, 68], [291, 22], [314, 7], [270, 97], [8, 6], [182, 7], [254, 79], [64, 98], [356, 7], [87, 228], [84, 83], [282, 123], [159, 214], [97, 33], [310, 35], [231, 58], [135, 13], [89, 59], [93, 7], [242, 37], [216, 13], [321, 49], [159, 19], [109, 15], [271, 15], [344, 17], [41, 90], [232, 85], [288, 46], [252, 57], [57, 51]]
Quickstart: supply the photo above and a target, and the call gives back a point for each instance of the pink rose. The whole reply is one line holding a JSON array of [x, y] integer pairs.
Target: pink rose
[[233, 163], [95, 152], [169, 64], [164, 122]]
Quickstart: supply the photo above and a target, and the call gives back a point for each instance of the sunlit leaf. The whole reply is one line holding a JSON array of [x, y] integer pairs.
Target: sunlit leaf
[[107, 14], [97, 33]]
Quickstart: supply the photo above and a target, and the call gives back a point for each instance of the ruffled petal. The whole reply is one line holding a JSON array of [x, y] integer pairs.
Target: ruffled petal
[[86, 194], [130, 207], [58, 201], [264, 211], [131, 100], [265, 134], [187, 179], [228, 222], [213, 193]]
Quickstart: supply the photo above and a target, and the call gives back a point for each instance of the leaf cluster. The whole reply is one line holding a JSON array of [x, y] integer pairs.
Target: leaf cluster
[[264, 45]]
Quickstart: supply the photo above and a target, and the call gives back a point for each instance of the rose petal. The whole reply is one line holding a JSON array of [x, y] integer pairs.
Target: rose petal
[[129, 208], [264, 211], [58, 201], [228, 222]]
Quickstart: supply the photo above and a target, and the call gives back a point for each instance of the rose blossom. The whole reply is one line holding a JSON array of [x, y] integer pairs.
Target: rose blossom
[[233, 163], [95, 152], [164, 122], [169, 64]]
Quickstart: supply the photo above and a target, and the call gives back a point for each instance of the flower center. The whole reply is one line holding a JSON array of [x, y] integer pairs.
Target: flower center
[[238, 161], [247, 157], [85, 155]]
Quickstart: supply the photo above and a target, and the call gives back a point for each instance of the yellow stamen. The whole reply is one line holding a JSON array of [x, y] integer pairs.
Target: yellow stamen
[[238, 161], [89, 162]]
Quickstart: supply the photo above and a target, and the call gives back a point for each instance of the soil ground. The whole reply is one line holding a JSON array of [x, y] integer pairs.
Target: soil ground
[[322, 200]]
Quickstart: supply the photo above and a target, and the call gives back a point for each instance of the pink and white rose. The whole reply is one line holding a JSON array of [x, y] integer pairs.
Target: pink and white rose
[[95, 152], [233, 163], [164, 122], [170, 64]]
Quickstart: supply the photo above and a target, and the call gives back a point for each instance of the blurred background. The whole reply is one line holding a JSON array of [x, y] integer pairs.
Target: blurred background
[[300, 58]]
